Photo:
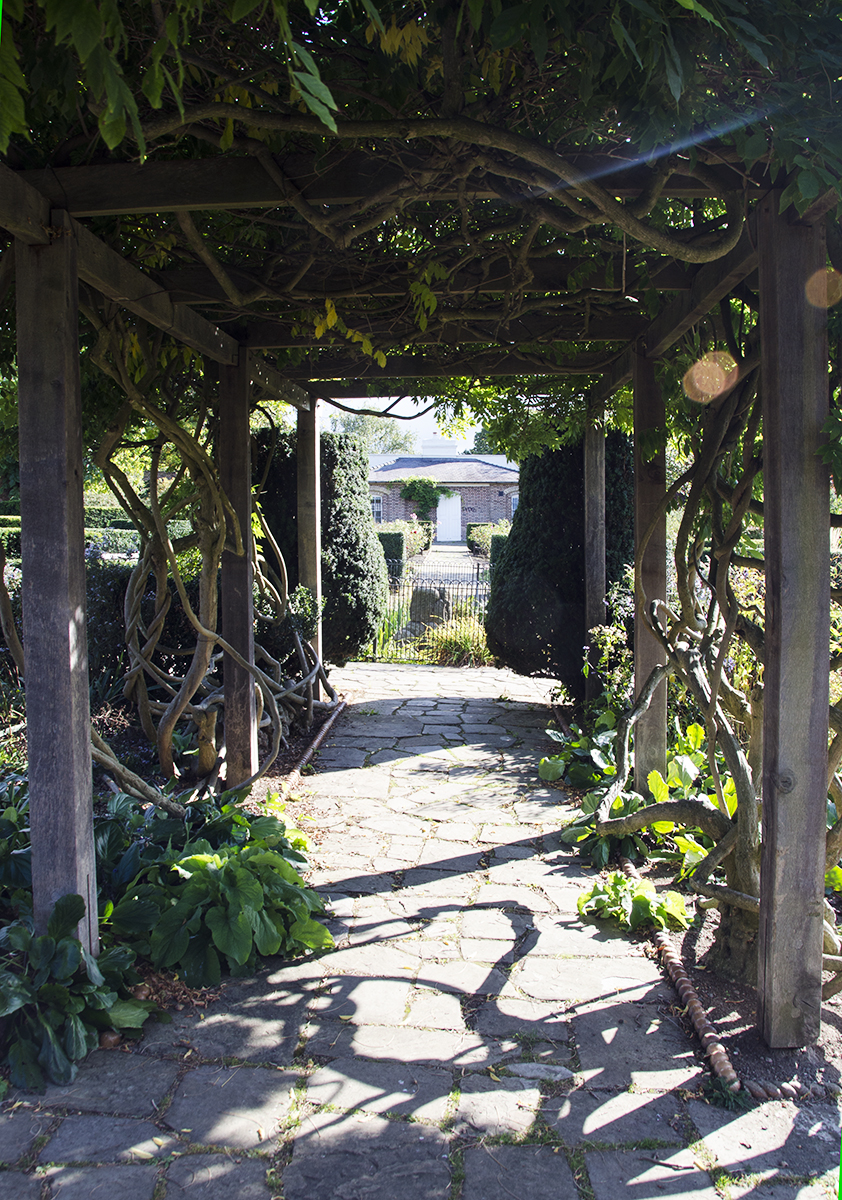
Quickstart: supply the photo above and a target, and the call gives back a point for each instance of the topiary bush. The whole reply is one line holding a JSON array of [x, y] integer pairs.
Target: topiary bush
[[535, 622], [354, 577]]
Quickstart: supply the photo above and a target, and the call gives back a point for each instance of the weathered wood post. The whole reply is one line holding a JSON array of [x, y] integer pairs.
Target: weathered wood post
[[52, 506], [594, 537], [310, 510], [237, 573], [796, 522], [650, 739]]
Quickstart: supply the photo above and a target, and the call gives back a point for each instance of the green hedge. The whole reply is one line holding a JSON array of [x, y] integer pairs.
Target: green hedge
[[479, 536], [354, 577], [535, 622], [495, 550], [102, 516], [393, 543], [10, 508], [10, 535]]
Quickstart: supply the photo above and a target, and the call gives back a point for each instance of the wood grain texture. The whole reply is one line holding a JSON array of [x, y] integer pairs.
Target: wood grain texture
[[794, 373], [594, 538], [237, 604], [310, 510], [53, 561], [650, 741]]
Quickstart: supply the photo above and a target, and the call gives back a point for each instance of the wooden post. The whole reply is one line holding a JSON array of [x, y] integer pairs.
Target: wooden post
[[310, 510], [52, 506], [650, 738], [237, 574], [795, 401], [594, 538]]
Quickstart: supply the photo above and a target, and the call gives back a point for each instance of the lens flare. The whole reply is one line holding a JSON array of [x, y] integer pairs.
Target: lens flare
[[824, 288], [710, 376]]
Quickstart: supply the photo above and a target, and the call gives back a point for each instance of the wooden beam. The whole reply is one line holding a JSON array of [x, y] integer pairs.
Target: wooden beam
[[24, 212], [337, 177], [105, 270], [53, 561], [650, 732], [195, 284], [796, 524], [310, 512], [324, 369], [711, 283], [278, 387], [237, 604], [558, 325], [595, 585]]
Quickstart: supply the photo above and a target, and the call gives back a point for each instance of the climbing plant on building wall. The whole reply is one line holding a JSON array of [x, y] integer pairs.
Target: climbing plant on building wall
[[424, 494]]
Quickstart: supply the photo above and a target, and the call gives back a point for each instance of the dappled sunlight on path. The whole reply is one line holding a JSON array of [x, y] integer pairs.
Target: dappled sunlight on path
[[469, 1038]]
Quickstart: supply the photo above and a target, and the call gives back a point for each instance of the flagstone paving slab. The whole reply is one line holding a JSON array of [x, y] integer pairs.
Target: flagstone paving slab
[[772, 1139], [465, 1005], [90, 1139], [609, 1118], [85, 1183], [237, 1107], [648, 1175], [18, 1130], [496, 1106], [404, 1090], [20, 1187], [126, 1085], [374, 1158], [536, 1172], [215, 1177]]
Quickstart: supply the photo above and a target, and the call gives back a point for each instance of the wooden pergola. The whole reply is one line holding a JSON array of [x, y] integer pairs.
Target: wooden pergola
[[45, 211]]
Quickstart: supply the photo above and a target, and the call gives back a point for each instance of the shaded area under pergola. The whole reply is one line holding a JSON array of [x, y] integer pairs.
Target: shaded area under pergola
[[44, 210]]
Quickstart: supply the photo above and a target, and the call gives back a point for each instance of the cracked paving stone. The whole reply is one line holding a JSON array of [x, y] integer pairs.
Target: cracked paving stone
[[495, 1107], [648, 1175]]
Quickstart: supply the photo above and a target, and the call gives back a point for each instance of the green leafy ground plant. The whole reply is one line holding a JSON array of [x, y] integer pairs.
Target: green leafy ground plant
[[55, 998], [632, 903], [583, 760]]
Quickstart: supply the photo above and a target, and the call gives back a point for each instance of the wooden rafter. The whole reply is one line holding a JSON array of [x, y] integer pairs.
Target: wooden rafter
[[337, 178]]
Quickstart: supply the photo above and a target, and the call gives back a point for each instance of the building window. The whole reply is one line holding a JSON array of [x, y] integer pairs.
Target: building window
[[514, 500], [377, 508]]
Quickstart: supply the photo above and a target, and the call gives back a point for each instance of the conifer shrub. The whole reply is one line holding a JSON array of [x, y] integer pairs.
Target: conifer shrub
[[354, 577], [535, 622]]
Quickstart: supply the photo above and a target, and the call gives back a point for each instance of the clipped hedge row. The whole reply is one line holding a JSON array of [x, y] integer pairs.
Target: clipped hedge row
[[535, 621], [354, 578], [498, 544], [393, 542], [479, 536]]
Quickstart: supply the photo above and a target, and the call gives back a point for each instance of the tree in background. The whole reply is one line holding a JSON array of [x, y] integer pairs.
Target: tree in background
[[481, 444], [376, 435]]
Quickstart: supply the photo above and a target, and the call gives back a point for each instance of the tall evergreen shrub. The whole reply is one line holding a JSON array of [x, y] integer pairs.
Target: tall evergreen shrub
[[354, 577], [535, 621]]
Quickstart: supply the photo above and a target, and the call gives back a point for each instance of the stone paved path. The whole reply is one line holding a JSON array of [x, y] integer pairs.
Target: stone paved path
[[468, 1039]]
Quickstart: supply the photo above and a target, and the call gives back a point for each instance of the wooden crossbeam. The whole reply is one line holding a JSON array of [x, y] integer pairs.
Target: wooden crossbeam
[[330, 369], [710, 284], [562, 326], [278, 386], [105, 270], [196, 285], [337, 178]]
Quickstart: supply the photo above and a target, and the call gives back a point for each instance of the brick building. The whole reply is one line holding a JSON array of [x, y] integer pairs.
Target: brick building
[[485, 488]]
